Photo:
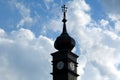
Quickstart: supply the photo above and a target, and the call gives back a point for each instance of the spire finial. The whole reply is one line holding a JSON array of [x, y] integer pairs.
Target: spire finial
[[64, 9]]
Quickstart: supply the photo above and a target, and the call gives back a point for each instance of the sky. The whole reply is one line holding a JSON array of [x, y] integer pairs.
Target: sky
[[28, 29]]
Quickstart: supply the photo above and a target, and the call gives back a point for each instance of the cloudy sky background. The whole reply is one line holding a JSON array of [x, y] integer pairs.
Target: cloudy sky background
[[28, 29]]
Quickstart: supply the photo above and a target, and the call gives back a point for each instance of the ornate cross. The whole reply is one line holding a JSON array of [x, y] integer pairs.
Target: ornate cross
[[64, 8]]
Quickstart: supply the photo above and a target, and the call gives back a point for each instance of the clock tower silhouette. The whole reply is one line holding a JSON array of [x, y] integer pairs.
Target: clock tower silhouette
[[64, 61]]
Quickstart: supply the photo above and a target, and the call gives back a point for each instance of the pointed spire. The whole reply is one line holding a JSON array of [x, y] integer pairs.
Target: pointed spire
[[64, 9]]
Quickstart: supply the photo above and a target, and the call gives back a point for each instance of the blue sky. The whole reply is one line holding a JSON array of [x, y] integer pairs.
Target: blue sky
[[28, 29]]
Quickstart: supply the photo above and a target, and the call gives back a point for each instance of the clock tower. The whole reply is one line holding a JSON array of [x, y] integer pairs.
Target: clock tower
[[64, 61]]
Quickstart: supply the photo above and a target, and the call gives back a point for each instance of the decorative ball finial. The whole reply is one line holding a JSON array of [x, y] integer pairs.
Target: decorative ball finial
[[64, 41]]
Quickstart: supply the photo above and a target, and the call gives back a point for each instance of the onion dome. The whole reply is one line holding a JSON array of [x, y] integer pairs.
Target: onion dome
[[64, 41]]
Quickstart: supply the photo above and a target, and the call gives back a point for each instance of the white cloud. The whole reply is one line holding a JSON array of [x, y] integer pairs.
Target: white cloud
[[23, 34], [112, 7], [100, 50], [104, 22], [79, 13], [25, 57], [79, 5], [2, 32], [117, 26], [115, 18], [25, 12], [54, 25]]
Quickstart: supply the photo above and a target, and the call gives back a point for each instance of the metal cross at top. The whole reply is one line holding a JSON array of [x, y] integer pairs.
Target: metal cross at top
[[64, 9]]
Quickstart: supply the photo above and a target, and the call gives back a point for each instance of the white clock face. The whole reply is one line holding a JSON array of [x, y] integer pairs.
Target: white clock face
[[60, 65], [72, 66]]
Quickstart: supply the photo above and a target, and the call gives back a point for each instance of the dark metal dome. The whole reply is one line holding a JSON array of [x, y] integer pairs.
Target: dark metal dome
[[64, 42]]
